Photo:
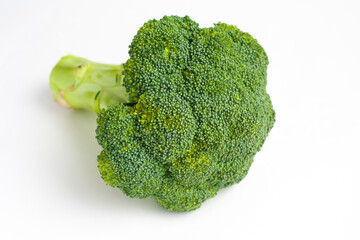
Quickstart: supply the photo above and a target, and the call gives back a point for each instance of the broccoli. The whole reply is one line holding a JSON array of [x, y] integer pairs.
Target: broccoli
[[182, 118]]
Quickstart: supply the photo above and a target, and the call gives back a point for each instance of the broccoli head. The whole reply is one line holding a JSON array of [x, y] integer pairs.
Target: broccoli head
[[194, 114]]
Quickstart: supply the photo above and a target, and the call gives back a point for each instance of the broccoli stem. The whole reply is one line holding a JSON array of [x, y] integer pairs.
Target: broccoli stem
[[79, 83]]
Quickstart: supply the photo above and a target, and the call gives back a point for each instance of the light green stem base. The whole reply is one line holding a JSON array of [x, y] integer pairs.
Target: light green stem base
[[79, 83]]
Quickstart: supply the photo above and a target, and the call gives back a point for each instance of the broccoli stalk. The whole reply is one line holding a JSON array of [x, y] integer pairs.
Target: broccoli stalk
[[79, 83]]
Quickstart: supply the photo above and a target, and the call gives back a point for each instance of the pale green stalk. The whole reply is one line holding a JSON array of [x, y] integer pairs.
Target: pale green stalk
[[79, 83]]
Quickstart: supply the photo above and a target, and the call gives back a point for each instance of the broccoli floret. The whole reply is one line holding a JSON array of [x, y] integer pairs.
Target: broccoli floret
[[183, 117]]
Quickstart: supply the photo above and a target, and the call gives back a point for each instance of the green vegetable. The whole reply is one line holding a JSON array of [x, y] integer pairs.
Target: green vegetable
[[182, 118]]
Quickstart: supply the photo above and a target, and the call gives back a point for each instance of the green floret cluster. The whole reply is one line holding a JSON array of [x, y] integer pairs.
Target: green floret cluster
[[197, 114]]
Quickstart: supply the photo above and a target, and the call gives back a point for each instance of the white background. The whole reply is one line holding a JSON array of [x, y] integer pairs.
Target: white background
[[304, 184]]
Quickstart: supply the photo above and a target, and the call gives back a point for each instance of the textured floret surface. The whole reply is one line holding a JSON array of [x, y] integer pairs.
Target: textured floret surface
[[201, 113]]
